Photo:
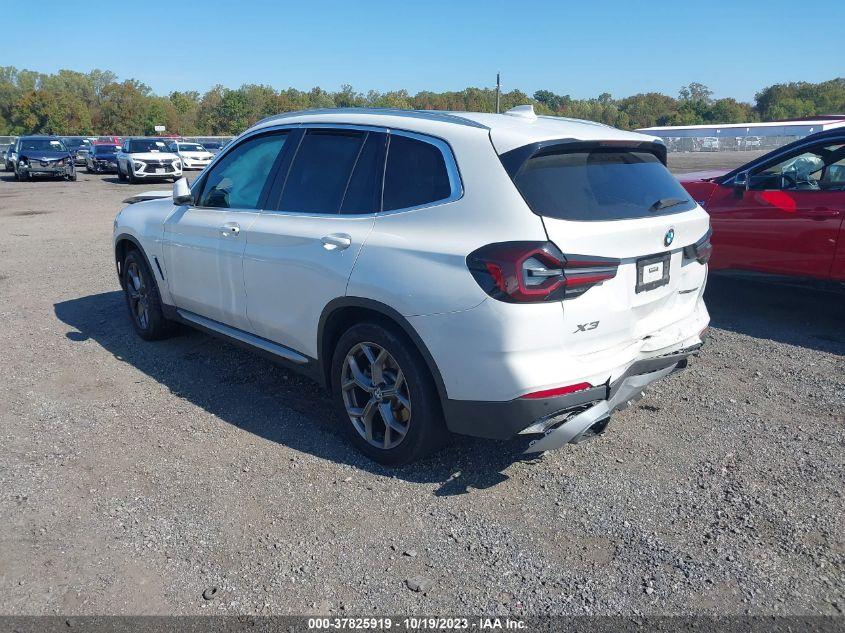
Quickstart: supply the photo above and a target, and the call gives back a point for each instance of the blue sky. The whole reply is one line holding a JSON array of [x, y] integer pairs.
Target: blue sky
[[577, 48]]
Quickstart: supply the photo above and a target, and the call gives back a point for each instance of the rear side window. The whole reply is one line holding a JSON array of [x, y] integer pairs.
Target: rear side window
[[415, 174], [600, 184], [363, 193], [320, 171]]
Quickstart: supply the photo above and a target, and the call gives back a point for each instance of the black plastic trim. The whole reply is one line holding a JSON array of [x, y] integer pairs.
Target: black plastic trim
[[310, 369], [129, 238], [393, 315], [501, 420]]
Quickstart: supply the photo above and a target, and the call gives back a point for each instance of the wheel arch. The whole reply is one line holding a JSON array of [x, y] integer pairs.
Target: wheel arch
[[123, 243], [343, 312]]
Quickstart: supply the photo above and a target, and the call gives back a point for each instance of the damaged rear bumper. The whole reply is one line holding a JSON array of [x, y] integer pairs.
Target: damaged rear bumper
[[626, 389], [561, 419]]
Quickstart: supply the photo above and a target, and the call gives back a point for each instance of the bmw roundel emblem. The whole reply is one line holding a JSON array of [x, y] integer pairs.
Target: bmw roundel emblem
[[669, 237]]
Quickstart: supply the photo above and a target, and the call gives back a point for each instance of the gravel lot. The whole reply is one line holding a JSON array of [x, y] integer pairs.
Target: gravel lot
[[137, 476]]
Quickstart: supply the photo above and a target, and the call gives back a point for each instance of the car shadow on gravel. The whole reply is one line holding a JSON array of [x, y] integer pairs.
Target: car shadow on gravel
[[254, 394], [787, 313]]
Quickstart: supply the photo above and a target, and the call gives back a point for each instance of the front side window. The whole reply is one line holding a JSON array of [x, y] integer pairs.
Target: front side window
[[599, 184], [334, 171], [237, 180], [817, 169], [415, 174]]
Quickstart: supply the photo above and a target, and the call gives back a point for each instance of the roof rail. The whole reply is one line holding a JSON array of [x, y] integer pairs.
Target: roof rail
[[430, 115]]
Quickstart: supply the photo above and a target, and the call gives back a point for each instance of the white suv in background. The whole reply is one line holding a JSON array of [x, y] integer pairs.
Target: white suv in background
[[192, 155], [485, 274], [147, 159]]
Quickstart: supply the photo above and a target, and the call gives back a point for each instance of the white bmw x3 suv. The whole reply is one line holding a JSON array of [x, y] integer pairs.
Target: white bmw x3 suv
[[484, 274]]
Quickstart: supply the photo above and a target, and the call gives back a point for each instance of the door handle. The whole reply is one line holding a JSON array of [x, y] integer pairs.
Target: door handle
[[232, 228], [823, 213], [336, 241]]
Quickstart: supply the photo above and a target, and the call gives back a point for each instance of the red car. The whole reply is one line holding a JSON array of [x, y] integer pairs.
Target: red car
[[781, 214]]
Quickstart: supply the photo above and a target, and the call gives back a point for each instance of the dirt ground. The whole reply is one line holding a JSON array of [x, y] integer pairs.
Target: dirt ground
[[137, 476]]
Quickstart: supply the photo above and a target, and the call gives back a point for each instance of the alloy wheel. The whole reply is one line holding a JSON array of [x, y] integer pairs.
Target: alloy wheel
[[375, 394], [137, 291]]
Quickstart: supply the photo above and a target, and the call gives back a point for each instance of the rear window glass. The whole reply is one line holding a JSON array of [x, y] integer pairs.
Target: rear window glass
[[600, 184], [415, 174]]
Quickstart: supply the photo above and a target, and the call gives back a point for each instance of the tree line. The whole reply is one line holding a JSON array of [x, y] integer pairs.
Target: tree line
[[75, 103]]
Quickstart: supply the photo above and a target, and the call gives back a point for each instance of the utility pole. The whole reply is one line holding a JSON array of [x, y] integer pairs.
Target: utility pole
[[498, 92]]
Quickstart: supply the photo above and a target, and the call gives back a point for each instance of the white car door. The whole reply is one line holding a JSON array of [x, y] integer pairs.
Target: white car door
[[302, 248], [204, 241]]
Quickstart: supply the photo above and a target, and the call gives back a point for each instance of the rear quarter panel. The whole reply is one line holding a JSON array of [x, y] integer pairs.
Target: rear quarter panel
[[415, 261]]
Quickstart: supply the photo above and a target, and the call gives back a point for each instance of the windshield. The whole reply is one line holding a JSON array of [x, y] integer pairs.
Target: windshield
[[191, 147], [43, 145], [105, 149], [74, 143], [600, 184], [140, 145]]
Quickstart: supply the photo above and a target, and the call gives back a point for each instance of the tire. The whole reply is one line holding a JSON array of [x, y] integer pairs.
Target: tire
[[143, 300], [120, 175], [129, 176], [414, 407]]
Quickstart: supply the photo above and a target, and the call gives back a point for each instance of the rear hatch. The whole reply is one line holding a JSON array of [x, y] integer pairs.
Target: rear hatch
[[614, 202]]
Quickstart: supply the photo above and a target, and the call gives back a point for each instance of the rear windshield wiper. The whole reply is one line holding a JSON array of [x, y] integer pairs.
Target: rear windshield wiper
[[665, 203]]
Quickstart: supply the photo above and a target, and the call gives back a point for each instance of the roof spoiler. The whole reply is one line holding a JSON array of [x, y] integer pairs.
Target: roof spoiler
[[516, 158]]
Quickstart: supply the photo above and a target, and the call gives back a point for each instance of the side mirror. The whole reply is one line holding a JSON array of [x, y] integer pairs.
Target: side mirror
[[182, 192], [741, 181]]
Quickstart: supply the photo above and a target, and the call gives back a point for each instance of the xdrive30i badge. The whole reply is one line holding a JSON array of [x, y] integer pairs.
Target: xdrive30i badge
[[669, 237]]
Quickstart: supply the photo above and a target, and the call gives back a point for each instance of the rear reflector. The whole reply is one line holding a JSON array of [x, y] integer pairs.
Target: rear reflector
[[557, 391]]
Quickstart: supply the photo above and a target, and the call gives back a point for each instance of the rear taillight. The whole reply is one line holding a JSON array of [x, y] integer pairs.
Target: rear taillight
[[525, 272], [701, 250]]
